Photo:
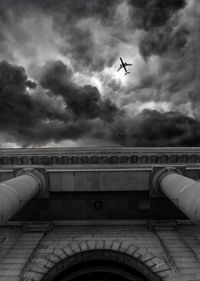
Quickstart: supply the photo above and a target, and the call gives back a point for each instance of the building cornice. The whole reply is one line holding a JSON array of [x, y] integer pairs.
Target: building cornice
[[98, 156]]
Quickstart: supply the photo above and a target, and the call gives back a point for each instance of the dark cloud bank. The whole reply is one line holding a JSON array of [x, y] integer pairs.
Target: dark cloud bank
[[84, 113]]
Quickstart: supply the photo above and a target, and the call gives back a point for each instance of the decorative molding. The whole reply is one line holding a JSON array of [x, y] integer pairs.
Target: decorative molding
[[101, 158]]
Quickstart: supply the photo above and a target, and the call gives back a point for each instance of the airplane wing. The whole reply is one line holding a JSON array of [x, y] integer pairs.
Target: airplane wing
[[120, 67], [126, 64]]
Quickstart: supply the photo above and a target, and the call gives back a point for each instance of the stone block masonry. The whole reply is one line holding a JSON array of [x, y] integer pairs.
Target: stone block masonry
[[161, 251]]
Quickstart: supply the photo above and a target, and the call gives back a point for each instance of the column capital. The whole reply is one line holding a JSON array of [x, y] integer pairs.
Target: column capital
[[161, 174], [37, 175]]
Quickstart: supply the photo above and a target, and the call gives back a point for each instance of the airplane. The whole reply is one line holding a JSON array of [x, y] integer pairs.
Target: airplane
[[123, 65]]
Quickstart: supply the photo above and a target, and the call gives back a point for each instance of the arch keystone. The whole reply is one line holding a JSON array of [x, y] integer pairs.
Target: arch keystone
[[99, 244], [108, 244]]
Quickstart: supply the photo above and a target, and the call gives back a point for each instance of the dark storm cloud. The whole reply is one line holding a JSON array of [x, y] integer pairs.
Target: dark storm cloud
[[163, 40], [83, 102], [81, 46], [154, 13], [23, 116], [83, 51], [152, 128], [173, 46], [31, 120], [31, 84], [18, 109], [78, 42], [154, 16], [74, 10], [86, 114]]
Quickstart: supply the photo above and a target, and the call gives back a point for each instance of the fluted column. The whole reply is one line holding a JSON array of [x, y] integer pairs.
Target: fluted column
[[182, 191], [16, 192]]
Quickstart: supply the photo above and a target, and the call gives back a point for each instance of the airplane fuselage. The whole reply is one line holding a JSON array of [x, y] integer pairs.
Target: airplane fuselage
[[123, 65]]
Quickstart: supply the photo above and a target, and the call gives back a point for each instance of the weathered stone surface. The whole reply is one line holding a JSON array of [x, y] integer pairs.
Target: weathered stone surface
[[137, 242]]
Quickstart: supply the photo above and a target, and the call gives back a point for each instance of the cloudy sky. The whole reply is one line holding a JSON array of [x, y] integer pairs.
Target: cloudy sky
[[59, 84]]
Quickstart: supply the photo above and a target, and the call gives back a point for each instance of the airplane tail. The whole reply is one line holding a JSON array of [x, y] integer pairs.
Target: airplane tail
[[127, 73]]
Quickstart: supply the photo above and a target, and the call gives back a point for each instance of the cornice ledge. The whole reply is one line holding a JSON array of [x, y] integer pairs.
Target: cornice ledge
[[100, 158]]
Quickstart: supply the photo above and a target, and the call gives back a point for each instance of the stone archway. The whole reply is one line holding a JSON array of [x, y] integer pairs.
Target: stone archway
[[140, 260], [100, 265]]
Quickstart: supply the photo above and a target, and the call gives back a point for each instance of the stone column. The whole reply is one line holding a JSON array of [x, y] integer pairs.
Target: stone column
[[16, 192], [182, 191]]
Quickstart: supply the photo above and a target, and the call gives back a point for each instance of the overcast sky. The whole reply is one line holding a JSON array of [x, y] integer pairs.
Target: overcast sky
[[59, 84]]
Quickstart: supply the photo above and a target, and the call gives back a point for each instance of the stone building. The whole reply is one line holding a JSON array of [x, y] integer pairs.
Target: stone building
[[116, 213]]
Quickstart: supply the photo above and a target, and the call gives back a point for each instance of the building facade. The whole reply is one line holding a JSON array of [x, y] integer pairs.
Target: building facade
[[100, 214]]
